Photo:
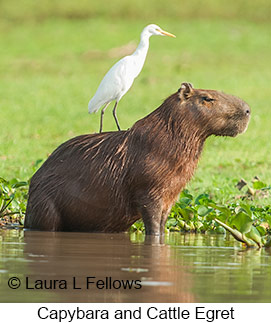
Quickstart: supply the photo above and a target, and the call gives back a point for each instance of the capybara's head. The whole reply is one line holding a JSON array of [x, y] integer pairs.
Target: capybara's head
[[214, 112]]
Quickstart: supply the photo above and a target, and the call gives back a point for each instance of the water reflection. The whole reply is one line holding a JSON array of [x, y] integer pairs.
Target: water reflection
[[174, 268]]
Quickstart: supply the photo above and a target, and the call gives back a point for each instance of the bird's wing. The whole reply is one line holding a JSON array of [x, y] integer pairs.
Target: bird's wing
[[125, 73], [115, 83], [118, 78]]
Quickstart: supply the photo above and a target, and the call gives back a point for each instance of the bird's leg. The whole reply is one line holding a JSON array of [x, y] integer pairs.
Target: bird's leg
[[102, 115], [115, 116]]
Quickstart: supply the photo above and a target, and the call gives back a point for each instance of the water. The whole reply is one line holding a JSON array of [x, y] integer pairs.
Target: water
[[176, 268]]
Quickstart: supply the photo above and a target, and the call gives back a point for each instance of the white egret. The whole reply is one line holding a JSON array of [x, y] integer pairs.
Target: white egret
[[120, 77]]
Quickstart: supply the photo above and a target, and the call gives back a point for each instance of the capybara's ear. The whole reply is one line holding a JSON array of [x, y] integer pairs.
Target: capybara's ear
[[186, 90]]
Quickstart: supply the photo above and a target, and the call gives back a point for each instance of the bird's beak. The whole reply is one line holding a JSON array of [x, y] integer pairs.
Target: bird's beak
[[166, 33]]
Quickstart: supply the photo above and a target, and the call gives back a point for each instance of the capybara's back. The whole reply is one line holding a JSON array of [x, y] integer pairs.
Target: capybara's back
[[105, 182], [78, 184]]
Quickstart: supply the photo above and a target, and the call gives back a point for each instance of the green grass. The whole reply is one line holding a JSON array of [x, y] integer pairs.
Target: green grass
[[52, 58], [31, 10]]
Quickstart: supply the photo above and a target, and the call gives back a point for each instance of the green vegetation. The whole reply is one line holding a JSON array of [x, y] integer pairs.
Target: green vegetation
[[13, 195], [54, 54], [247, 222]]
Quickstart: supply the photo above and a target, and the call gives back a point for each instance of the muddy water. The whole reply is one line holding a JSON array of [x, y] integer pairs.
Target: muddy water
[[80, 267]]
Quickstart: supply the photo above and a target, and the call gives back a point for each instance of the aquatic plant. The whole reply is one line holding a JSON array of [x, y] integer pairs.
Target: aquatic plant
[[13, 195], [245, 221], [248, 223]]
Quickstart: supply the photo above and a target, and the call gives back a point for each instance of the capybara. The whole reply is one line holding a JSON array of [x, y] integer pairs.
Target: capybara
[[105, 182]]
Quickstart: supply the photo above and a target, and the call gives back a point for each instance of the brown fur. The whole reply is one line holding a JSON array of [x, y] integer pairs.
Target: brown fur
[[105, 182]]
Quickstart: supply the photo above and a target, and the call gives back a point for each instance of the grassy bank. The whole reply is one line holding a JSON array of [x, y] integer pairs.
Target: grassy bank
[[31, 10]]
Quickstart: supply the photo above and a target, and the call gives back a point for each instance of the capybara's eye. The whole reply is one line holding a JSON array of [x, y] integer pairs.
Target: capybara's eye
[[207, 99]]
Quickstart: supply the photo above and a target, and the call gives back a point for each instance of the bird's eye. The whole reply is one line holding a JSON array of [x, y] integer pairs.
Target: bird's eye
[[207, 99]]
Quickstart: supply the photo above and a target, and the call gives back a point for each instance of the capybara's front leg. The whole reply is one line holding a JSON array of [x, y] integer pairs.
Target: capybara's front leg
[[151, 215], [163, 220]]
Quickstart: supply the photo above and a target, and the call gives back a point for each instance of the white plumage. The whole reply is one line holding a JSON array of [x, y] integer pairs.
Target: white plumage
[[120, 77]]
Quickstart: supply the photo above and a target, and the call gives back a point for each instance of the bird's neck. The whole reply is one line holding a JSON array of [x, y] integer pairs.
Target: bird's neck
[[143, 46]]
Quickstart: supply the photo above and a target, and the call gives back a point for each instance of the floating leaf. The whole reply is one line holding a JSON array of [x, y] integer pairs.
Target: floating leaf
[[202, 197], [246, 208], [210, 216], [254, 235], [261, 230], [187, 214], [203, 210], [242, 222], [184, 201], [185, 193], [171, 222]]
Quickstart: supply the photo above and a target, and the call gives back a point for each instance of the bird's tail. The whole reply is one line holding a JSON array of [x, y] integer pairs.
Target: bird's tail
[[93, 105]]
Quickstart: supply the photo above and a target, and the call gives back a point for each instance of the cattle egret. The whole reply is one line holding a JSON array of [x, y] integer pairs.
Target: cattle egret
[[120, 77]]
